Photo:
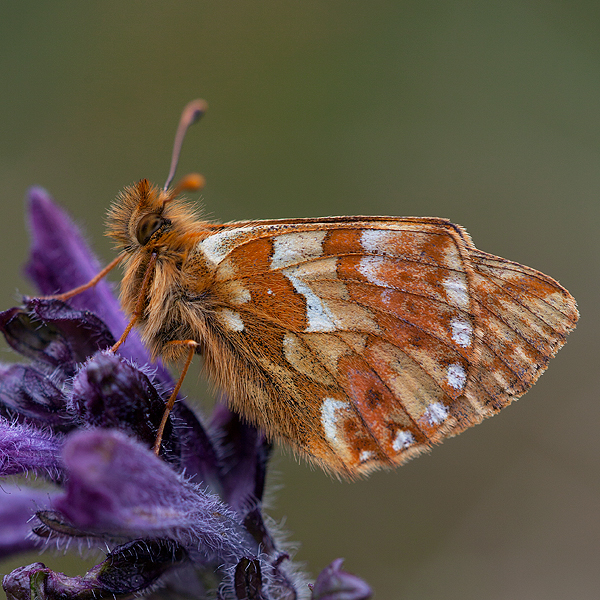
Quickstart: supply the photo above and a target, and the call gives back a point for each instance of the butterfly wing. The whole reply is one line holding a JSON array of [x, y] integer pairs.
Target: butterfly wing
[[363, 341]]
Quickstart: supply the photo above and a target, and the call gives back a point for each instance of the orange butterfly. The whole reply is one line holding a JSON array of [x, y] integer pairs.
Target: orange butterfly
[[359, 341]]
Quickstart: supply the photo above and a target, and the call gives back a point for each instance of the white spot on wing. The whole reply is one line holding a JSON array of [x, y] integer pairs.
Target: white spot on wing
[[373, 240], [243, 296], [293, 248], [238, 294], [403, 439], [518, 352], [319, 317], [365, 455], [455, 286], [231, 319], [386, 297], [330, 418], [456, 376], [369, 267], [436, 413], [218, 245], [462, 332], [290, 340]]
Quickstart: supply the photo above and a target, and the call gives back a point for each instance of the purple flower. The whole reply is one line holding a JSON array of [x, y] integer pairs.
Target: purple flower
[[85, 420]]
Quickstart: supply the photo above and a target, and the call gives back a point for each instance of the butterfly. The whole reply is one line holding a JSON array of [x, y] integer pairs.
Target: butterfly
[[358, 341]]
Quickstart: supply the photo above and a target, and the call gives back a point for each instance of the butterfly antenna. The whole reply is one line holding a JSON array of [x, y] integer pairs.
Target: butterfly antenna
[[191, 113]]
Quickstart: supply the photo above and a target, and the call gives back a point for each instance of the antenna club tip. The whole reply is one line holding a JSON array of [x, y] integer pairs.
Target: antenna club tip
[[195, 109], [190, 183], [194, 182]]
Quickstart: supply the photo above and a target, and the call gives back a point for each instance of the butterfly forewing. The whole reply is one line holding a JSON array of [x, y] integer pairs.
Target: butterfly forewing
[[366, 340]]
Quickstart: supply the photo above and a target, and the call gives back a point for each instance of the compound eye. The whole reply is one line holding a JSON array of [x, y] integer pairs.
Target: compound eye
[[147, 227]]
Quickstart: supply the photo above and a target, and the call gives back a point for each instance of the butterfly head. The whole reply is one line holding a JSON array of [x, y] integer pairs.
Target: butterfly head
[[145, 216]]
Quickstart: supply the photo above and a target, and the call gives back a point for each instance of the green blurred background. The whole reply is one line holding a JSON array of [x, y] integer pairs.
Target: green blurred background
[[487, 113]]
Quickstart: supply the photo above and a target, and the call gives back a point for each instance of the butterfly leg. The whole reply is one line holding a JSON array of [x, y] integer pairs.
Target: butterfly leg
[[139, 307], [192, 345]]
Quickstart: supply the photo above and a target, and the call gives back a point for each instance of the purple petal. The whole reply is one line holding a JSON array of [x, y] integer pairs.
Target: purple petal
[[198, 455], [335, 584], [243, 456], [27, 393], [29, 337], [17, 506], [61, 260], [118, 487], [82, 330], [54, 334], [24, 448]]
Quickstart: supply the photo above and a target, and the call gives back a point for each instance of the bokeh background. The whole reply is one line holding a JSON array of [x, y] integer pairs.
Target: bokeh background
[[487, 113]]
